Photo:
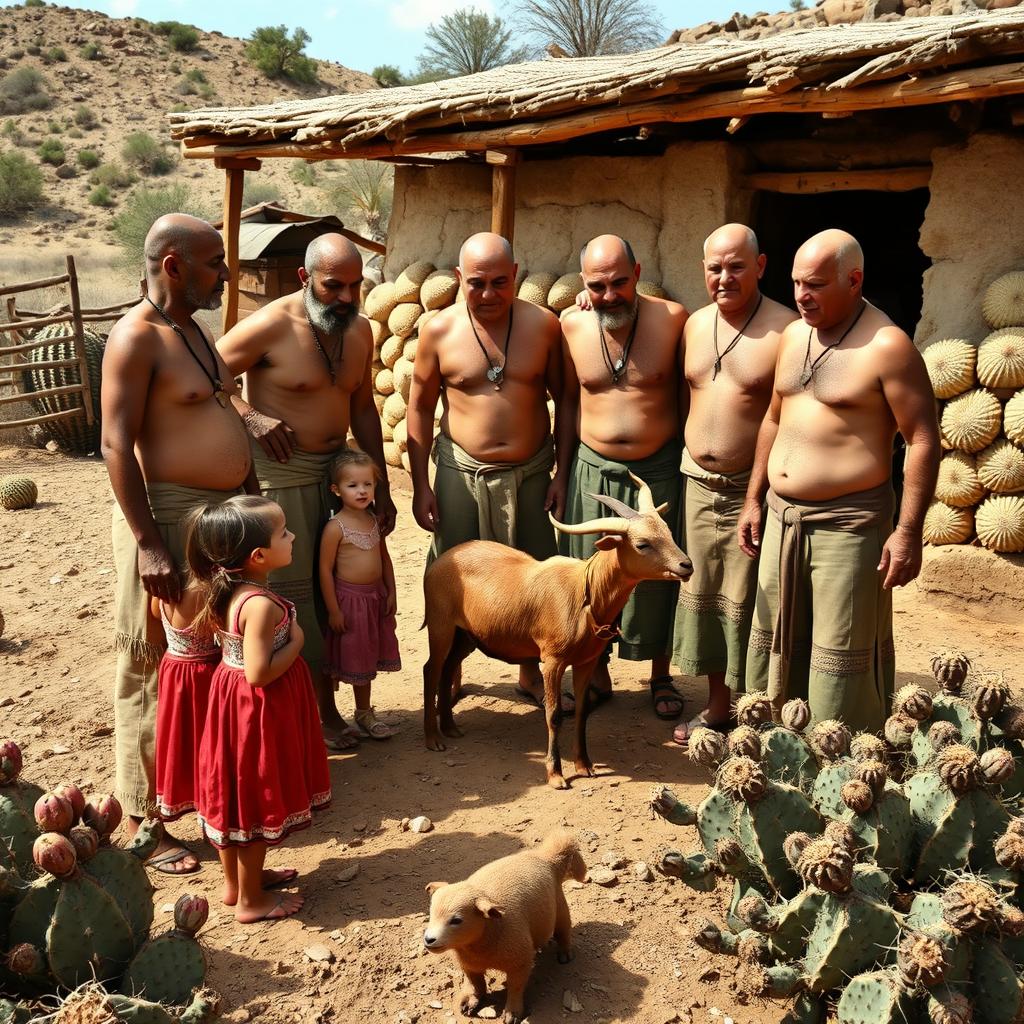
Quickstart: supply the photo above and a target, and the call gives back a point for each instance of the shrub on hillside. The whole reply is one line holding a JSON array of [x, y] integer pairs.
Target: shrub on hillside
[[256, 192], [388, 76], [55, 54], [23, 89], [12, 132], [100, 196], [34, 3], [51, 151], [84, 117], [180, 36], [141, 150], [21, 183], [142, 208], [88, 159], [279, 55], [303, 173], [33, 49], [90, 51], [54, 127], [16, 54], [111, 176], [196, 75]]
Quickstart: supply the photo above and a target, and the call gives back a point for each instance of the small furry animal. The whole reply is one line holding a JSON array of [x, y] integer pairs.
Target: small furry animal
[[502, 914]]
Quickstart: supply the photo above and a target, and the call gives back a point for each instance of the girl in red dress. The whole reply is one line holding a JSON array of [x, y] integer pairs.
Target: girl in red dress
[[183, 689], [262, 762]]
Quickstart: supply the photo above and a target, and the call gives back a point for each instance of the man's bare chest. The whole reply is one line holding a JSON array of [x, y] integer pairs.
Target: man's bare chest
[[842, 379], [466, 363]]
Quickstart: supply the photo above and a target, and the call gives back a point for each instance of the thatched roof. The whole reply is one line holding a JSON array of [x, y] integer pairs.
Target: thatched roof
[[845, 67]]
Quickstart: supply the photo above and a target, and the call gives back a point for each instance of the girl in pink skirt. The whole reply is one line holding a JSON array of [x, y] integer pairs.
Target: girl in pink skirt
[[358, 584]]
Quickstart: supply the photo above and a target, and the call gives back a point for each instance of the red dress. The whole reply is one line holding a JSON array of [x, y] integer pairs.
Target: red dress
[[262, 763], [183, 689]]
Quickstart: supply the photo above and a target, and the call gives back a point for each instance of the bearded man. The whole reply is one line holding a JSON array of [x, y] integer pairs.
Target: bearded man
[[307, 360], [621, 416], [170, 440], [847, 378]]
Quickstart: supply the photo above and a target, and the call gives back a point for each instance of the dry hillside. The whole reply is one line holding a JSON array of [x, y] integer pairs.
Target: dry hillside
[[125, 74]]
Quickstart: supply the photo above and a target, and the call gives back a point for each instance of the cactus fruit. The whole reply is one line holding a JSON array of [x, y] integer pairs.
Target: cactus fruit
[[10, 761], [744, 741], [997, 765], [830, 740], [899, 731], [86, 842], [796, 714], [742, 779], [1009, 848], [865, 747], [858, 796], [959, 768], [827, 865], [53, 813], [989, 696], [753, 709], [950, 671], [104, 815], [912, 702], [707, 747], [74, 796], [54, 853]]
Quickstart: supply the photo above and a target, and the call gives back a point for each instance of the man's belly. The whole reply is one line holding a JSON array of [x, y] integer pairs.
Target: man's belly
[[510, 438], [624, 427], [720, 440], [196, 448], [320, 420], [819, 469]]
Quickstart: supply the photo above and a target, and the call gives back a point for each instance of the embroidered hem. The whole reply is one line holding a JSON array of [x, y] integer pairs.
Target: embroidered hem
[[704, 604], [362, 678], [258, 834]]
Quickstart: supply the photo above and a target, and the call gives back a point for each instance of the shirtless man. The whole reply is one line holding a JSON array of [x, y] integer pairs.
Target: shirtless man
[[493, 360], [171, 440], [846, 380], [306, 359], [622, 413], [731, 345]]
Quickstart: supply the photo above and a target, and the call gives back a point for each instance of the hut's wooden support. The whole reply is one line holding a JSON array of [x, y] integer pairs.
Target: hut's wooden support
[[884, 179], [503, 191], [234, 169], [961, 84]]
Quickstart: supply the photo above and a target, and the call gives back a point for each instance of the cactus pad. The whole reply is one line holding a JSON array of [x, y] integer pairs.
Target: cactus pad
[[166, 969]]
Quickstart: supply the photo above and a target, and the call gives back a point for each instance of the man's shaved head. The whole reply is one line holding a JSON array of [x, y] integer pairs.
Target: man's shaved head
[[735, 237], [329, 248], [485, 245], [177, 234], [838, 246], [604, 246]]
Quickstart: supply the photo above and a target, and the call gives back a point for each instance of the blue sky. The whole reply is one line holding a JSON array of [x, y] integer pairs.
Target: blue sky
[[371, 32]]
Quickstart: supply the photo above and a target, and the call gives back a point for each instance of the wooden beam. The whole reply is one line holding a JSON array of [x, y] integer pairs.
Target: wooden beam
[[234, 183], [31, 421], [79, 335], [31, 286], [503, 191], [969, 84], [883, 179], [364, 243], [43, 364], [31, 325], [229, 163], [64, 389]]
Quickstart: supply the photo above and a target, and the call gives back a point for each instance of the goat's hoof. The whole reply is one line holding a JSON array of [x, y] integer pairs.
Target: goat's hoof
[[434, 743], [451, 729], [557, 782], [585, 769]]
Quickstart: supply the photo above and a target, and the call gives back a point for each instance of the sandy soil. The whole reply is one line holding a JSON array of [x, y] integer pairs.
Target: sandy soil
[[486, 795]]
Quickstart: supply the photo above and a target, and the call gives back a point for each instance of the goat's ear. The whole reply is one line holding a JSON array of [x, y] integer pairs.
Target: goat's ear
[[486, 907], [432, 887], [608, 542]]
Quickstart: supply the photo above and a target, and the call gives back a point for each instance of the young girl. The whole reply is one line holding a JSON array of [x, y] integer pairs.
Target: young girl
[[358, 585], [183, 690], [262, 763]]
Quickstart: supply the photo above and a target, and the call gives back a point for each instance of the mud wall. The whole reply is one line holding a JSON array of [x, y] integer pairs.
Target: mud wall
[[666, 206]]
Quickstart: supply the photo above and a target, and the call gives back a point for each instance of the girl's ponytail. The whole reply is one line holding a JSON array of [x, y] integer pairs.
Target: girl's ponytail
[[218, 541]]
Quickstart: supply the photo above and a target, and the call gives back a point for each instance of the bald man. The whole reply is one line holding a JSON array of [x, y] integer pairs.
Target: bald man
[[846, 380], [306, 358], [493, 359], [171, 440], [731, 346], [622, 413]]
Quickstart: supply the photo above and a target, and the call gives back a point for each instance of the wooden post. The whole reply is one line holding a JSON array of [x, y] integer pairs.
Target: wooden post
[[78, 332], [234, 182], [503, 191]]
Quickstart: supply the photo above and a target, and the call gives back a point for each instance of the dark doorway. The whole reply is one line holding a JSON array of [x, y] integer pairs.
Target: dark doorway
[[886, 224]]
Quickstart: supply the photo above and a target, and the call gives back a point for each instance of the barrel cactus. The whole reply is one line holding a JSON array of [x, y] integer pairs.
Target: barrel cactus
[[72, 433], [18, 492]]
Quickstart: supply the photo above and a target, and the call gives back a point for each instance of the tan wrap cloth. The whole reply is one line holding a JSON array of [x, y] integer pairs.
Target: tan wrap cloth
[[822, 625], [712, 622], [503, 502], [300, 486], [139, 641]]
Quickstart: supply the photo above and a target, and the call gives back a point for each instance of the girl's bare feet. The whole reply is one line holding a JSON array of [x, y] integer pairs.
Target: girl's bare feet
[[272, 908], [272, 879]]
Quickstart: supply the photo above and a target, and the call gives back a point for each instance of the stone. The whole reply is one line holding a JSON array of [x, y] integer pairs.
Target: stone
[[643, 871], [421, 824], [347, 873], [570, 1002], [841, 12], [319, 954], [604, 877], [613, 859]]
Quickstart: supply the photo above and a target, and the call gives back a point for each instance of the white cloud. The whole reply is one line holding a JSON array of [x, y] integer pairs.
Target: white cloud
[[122, 8], [416, 15]]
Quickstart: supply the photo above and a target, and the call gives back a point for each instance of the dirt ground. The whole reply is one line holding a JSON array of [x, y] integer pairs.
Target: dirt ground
[[486, 795]]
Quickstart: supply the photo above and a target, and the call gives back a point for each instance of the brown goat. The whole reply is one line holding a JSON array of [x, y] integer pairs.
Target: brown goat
[[563, 611]]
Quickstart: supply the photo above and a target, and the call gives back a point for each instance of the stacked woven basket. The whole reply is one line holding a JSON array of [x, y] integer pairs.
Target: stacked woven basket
[[397, 311], [980, 490]]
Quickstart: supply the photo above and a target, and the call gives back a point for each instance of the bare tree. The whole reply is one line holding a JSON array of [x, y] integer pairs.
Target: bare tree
[[468, 41], [589, 28]]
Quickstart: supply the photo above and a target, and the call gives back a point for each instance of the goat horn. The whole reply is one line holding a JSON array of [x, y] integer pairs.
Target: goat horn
[[662, 508], [645, 500], [609, 524], [619, 507]]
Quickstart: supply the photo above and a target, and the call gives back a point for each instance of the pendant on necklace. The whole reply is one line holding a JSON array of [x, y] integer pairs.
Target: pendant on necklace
[[221, 396], [494, 375], [717, 368], [618, 367], [805, 378]]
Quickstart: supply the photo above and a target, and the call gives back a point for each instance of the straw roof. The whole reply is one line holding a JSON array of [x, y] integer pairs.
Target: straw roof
[[844, 67]]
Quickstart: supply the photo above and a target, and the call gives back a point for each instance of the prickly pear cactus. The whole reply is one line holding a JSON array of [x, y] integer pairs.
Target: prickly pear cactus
[[122, 874], [169, 967]]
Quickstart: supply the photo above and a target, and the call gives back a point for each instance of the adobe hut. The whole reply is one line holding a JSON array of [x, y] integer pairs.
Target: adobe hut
[[860, 114]]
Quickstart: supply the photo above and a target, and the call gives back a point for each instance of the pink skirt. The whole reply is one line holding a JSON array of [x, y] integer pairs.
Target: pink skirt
[[369, 644]]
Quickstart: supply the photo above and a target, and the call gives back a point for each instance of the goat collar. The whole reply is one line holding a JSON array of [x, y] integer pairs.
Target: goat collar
[[602, 630]]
